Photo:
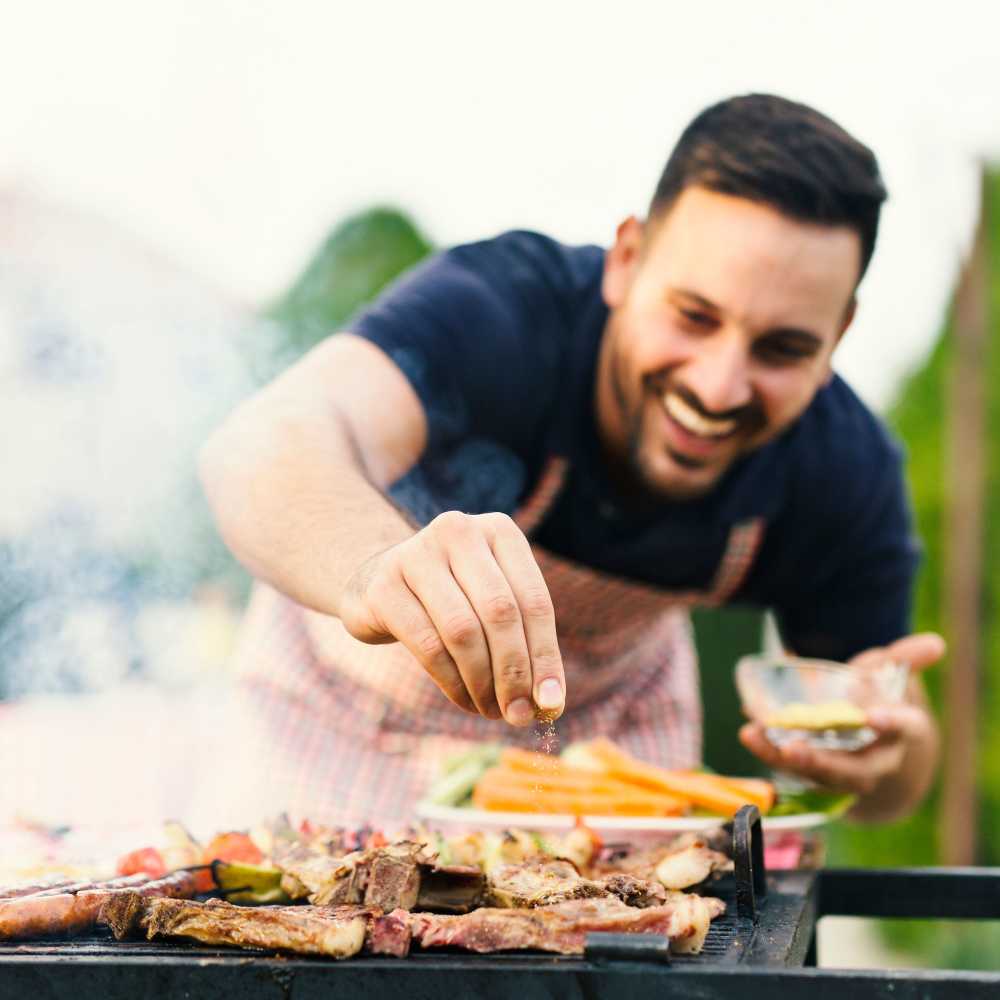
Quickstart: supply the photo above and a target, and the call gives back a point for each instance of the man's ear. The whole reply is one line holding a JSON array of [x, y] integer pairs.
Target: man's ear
[[849, 314], [621, 261]]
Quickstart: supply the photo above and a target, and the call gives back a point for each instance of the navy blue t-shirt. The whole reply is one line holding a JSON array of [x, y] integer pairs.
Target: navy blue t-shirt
[[500, 341]]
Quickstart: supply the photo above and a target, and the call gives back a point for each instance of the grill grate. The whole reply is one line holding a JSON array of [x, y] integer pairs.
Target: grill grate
[[727, 940]]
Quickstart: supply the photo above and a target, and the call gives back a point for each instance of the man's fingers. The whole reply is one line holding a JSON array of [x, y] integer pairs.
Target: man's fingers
[[517, 561], [407, 619], [918, 651], [467, 598], [856, 771], [492, 599], [457, 625], [899, 720], [752, 737]]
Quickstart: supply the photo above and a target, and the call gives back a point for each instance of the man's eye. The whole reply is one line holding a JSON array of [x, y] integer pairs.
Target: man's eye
[[696, 318], [779, 351]]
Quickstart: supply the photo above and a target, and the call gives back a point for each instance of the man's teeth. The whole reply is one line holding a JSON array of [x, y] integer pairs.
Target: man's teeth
[[693, 421]]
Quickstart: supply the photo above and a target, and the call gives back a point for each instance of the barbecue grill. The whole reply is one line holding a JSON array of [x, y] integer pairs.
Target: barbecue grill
[[763, 946]]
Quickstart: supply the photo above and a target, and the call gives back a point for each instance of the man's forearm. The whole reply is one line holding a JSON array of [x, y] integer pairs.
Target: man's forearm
[[293, 501]]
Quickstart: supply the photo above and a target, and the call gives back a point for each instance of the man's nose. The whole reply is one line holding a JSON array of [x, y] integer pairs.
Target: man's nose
[[718, 373]]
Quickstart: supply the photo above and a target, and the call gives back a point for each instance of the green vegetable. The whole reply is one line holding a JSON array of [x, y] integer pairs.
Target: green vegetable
[[443, 849], [541, 843], [813, 800], [244, 883], [461, 774]]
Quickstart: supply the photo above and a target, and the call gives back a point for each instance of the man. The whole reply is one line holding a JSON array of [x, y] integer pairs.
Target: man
[[517, 469]]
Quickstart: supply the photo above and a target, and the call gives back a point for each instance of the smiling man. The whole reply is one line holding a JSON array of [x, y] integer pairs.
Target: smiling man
[[513, 475]]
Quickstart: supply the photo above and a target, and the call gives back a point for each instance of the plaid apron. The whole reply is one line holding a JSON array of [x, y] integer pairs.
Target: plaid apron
[[352, 733]]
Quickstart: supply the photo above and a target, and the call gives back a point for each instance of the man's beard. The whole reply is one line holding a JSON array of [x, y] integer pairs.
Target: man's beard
[[750, 422]]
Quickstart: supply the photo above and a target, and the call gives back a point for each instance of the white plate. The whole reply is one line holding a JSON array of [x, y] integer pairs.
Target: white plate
[[634, 828]]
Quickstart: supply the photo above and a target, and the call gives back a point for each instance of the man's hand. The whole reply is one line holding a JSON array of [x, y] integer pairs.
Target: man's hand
[[465, 596], [890, 775]]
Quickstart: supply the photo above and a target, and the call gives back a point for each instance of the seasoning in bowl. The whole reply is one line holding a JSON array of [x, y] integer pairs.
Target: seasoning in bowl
[[819, 702]]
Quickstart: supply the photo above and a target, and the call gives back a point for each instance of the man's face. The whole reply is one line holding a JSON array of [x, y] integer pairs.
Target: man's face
[[723, 316]]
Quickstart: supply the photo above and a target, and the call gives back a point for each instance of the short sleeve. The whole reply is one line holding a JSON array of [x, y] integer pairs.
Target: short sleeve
[[477, 331]]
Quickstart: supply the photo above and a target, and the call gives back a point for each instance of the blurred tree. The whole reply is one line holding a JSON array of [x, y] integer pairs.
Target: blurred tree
[[356, 261]]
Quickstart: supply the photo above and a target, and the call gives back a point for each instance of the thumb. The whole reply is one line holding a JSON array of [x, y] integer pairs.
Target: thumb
[[919, 651]]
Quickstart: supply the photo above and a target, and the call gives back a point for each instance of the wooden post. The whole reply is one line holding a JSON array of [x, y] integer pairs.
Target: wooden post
[[963, 558]]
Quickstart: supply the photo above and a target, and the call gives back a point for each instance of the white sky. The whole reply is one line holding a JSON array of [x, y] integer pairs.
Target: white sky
[[232, 135]]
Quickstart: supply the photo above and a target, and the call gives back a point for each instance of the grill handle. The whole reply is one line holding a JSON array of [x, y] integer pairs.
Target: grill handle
[[748, 862], [628, 947]]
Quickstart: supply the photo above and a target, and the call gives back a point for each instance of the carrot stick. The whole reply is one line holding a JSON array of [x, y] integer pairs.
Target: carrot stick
[[759, 791], [529, 760], [695, 787], [584, 783], [513, 799]]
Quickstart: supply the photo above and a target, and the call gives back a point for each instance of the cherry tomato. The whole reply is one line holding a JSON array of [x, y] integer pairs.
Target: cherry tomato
[[232, 846], [146, 860]]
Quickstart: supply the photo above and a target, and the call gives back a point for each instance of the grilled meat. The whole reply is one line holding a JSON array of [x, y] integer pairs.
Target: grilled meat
[[75, 908], [396, 876], [71, 887], [692, 915], [538, 883], [337, 932], [393, 877], [542, 883], [31, 888], [450, 888], [331, 881], [690, 866], [389, 934], [677, 864], [632, 890], [563, 927]]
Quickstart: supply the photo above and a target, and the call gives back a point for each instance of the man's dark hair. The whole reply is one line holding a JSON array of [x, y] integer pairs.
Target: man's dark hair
[[786, 155]]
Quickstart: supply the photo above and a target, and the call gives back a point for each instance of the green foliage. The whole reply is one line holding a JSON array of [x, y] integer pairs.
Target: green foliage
[[989, 732], [918, 420], [722, 636], [356, 261]]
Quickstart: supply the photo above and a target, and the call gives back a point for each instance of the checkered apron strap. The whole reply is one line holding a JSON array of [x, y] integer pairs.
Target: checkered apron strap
[[742, 546], [745, 540], [538, 503]]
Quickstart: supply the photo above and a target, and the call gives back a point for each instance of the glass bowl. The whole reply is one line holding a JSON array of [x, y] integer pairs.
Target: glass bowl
[[819, 702]]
